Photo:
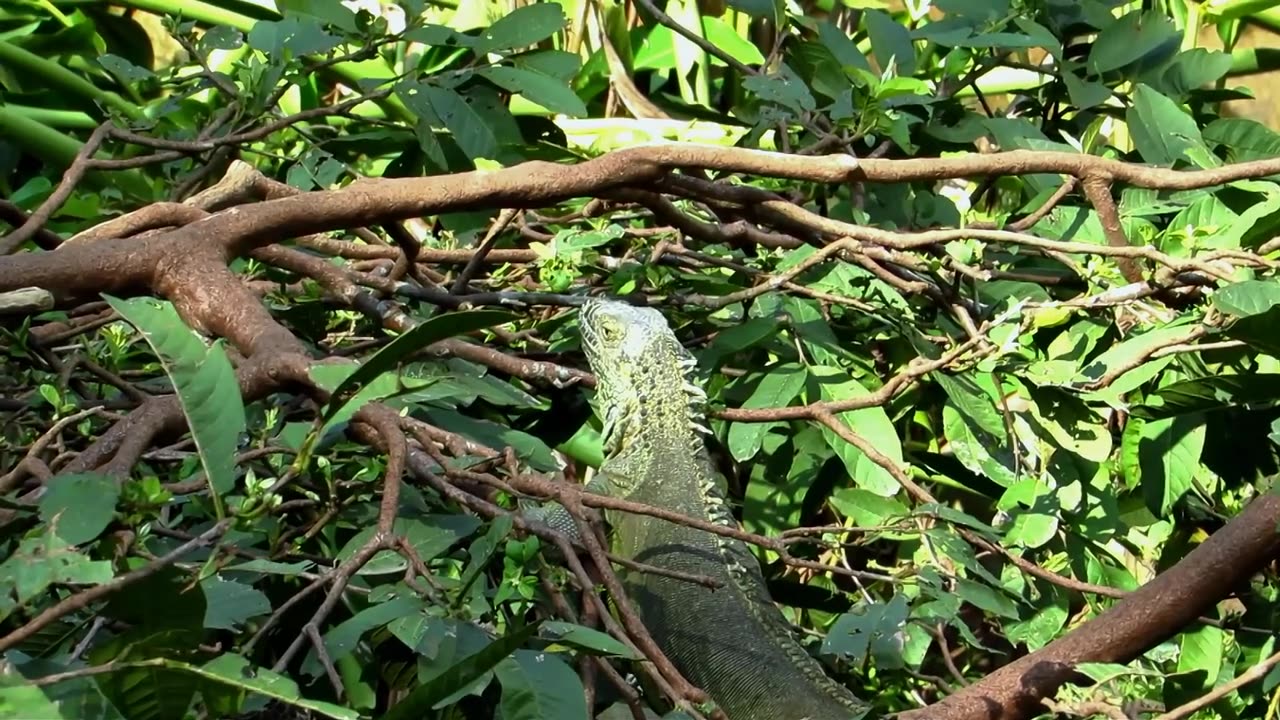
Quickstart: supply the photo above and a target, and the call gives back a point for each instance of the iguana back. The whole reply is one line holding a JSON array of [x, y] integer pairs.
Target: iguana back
[[732, 642]]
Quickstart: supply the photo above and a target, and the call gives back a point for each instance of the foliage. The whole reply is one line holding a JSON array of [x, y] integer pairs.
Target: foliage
[[1081, 381]]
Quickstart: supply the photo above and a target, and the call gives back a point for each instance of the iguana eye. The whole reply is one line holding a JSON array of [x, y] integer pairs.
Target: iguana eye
[[610, 330]]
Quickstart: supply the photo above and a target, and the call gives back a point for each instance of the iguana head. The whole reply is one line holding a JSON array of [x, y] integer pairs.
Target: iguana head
[[642, 371]]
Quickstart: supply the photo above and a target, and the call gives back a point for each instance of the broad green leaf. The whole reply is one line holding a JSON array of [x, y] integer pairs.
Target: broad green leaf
[[149, 692], [41, 561], [461, 674], [482, 550], [867, 509], [986, 598], [1106, 672], [549, 92], [974, 402], [429, 536], [873, 632], [1071, 423], [425, 333], [235, 671], [539, 685], [1031, 530], [1244, 139], [475, 134], [80, 506], [744, 335], [229, 604], [1137, 38], [775, 495], [1201, 651], [1167, 454], [890, 43], [872, 424], [496, 436], [587, 639], [524, 26], [72, 699], [1209, 393], [784, 88], [1161, 131], [982, 453], [205, 383], [729, 40], [777, 388], [1123, 354], [1251, 297], [1042, 627], [341, 640], [270, 567], [1255, 224]]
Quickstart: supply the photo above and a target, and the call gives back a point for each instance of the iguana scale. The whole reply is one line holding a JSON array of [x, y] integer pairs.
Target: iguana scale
[[732, 642]]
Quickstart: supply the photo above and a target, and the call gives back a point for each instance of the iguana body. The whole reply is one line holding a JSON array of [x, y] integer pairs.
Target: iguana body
[[732, 642]]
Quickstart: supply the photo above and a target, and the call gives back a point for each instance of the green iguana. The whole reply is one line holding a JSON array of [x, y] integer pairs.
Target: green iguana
[[732, 642]]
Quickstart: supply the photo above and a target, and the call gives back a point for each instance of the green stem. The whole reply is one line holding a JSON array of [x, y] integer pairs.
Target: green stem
[[58, 77], [69, 119], [59, 151], [1247, 61]]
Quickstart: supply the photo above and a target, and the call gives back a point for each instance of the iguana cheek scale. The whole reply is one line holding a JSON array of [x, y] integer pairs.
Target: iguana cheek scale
[[732, 642]]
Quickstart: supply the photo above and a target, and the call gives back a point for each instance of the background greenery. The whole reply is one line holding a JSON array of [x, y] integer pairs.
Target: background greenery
[[1093, 418]]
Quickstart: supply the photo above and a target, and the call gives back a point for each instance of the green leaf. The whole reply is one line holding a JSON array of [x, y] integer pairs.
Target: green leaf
[[980, 452], [1164, 456], [730, 41], [1209, 393], [341, 640], [867, 509], [429, 536], [873, 632], [539, 685], [1070, 423], [586, 638], [776, 389], [1200, 651], [482, 550], [149, 692], [890, 43], [973, 402], [1031, 530], [475, 134], [229, 604], [41, 561], [872, 424], [1251, 297], [1123, 354], [1162, 132], [235, 671], [1243, 139], [205, 382], [73, 699], [549, 92], [1135, 39], [1041, 628], [496, 436], [79, 506], [524, 26], [166, 600], [986, 598], [438, 328], [461, 674]]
